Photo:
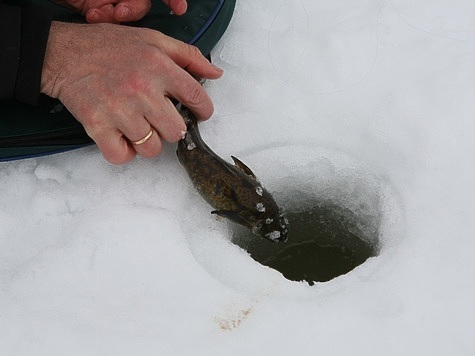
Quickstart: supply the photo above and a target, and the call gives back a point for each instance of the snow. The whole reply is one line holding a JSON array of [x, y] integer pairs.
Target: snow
[[368, 104]]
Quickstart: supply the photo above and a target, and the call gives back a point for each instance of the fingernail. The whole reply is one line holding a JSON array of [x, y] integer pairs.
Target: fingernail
[[217, 69], [124, 13], [181, 8]]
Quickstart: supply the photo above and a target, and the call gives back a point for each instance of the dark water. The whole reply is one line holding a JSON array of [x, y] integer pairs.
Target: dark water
[[324, 242]]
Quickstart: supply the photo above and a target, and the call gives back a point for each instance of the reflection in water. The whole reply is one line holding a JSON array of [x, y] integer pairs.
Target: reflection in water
[[324, 242]]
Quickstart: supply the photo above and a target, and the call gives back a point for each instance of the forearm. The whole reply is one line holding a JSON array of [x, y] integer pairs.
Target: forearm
[[23, 38]]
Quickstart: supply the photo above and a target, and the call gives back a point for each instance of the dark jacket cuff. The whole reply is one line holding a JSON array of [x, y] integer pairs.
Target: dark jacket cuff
[[35, 26], [10, 43], [23, 38]]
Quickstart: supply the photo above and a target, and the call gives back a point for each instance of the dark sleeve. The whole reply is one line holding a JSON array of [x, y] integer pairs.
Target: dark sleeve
[[23, 38]]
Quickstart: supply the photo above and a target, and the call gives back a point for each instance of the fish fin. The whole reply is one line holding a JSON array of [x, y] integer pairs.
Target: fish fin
[[233, 216], [243, 167]]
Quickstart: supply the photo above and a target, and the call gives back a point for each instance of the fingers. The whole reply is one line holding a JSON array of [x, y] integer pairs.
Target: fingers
[[114, 147], [167, 121], [189, 92], [184, 87], [179, 7], [121, 147], [149, 145], [131, 10], [117, 11], [141, 135], [103, 14], [190, 58]]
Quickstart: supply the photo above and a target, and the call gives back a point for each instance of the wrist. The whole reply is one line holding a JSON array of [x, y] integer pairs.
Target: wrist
[[54, 59], [61, 57]]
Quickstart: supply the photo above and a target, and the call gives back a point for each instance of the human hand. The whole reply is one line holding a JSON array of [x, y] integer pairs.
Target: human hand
[[117, 82], [115, 11]]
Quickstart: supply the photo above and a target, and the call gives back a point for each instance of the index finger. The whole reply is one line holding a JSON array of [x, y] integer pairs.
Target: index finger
[[190, 58], [189, 91]]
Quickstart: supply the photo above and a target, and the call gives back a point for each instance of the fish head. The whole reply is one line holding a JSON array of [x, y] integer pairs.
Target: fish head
[[269, 221], [265, 218], [246, 202]]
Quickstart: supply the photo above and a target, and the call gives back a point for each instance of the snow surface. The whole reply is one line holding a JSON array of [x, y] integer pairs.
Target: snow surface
[[367, 103]]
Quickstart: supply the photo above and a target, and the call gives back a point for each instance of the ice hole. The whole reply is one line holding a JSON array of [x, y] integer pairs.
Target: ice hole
[[340, 214], [324, 242]]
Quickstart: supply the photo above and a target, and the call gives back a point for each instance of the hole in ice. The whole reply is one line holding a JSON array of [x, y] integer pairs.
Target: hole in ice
[[324, 242], [340, 213]]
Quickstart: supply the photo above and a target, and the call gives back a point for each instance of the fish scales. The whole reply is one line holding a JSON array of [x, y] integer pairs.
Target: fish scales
[[231, 189]]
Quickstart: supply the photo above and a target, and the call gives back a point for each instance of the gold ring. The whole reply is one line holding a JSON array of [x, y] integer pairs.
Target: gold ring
[[143, 140]]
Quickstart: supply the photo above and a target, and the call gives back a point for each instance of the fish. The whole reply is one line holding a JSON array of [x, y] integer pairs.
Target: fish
[[233, 190]]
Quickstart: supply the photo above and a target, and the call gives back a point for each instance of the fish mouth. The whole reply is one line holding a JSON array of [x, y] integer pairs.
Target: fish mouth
[[274, 229]]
